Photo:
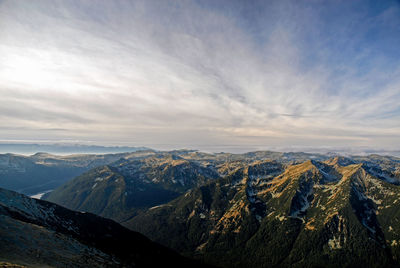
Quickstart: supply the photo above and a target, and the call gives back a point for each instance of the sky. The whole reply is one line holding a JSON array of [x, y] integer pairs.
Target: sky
[[212, 75]]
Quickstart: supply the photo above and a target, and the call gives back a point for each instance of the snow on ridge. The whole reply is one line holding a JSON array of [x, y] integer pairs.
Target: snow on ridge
[[322, 168], [367, 211], [32, 209], [304, 202], [381, 175], [21, 203], [329, 177]]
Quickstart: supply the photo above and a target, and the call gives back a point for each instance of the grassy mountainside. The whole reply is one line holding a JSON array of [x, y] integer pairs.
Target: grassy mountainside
[[37, 233]]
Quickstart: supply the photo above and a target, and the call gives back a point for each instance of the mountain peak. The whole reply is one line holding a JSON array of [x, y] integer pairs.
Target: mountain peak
[[340, 161], [259, 205]]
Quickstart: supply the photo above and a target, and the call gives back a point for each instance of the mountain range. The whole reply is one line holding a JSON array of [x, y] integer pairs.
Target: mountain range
[[122, 189], [259, 209], [43, 172], [65, 148]]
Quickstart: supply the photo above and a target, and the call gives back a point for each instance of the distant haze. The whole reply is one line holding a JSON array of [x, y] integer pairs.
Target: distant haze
[[208, 75], [68, 149], [64, 149]]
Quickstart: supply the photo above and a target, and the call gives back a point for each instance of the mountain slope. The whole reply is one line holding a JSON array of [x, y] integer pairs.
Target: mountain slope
[[42, 172], [134, 183], [335, 213], [38, 233], [121, 190]]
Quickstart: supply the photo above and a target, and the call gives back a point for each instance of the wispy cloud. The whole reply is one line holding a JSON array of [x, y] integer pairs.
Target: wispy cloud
[[190, 73]]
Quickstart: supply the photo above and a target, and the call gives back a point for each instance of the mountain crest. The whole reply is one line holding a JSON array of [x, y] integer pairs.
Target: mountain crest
[[334, 204]]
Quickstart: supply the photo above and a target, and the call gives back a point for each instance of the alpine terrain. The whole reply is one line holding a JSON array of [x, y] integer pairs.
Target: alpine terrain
[[37, 233], [43, 172], [124, 188], [260, 209]]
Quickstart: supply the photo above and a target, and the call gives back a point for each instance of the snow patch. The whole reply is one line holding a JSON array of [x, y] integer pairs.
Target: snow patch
[[160, 206], [40, 195], [304, 202], [379, 173]]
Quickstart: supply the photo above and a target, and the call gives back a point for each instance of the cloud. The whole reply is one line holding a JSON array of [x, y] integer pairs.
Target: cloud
[[188, 73]]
